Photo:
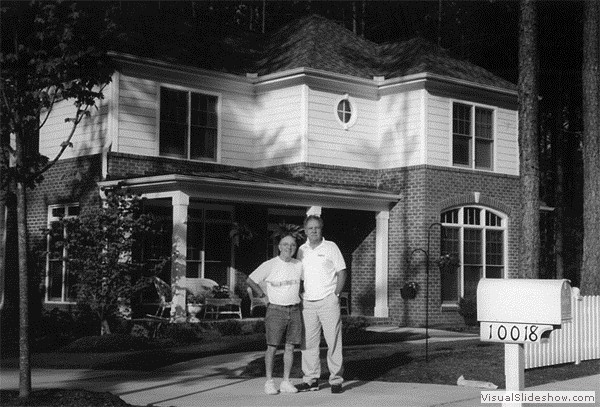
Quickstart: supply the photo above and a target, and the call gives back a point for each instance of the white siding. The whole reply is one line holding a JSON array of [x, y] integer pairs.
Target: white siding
[[401, 129], [439, 136], [278, 127], [90, 137], [137, 116], [284, 126], [237, 130], [329, 143], [138, 121], [439, 130]]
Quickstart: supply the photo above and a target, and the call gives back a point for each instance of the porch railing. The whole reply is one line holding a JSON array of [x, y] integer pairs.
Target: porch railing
[[577, 340]]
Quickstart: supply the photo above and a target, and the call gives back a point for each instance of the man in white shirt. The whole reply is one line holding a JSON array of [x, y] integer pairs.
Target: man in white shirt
[[324, 278], [282, 275]]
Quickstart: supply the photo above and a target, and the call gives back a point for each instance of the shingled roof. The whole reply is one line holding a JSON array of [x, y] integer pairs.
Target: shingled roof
[[315, 42], [308, 42]]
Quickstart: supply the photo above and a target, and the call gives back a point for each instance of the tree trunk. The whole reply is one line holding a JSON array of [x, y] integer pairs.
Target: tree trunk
[[24, 351], [3, 198], [590, 267], [559, 201], [529, 248]]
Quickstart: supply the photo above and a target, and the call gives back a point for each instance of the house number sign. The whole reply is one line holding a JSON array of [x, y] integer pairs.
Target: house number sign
[[513, 333]]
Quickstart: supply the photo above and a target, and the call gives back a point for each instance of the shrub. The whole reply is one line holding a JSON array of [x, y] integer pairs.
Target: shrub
[[467, 308], [103, 246], [180, 334], [57, 327], [352, 326], [108, 343]]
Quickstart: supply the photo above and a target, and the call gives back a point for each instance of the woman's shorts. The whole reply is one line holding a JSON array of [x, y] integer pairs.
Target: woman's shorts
[[283, 321]]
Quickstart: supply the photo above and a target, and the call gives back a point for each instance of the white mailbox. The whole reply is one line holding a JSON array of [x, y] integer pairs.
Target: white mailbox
[[521, 310], [524, 301]]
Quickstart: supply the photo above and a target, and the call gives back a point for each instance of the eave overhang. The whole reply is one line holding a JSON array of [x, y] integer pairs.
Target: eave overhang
[[367, 88], [267, 193]]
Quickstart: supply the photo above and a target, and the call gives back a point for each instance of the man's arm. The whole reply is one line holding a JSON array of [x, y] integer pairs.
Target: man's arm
[[255, 287], [341, 280]]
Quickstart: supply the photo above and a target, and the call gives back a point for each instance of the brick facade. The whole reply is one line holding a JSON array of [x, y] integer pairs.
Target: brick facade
[[425, 193]]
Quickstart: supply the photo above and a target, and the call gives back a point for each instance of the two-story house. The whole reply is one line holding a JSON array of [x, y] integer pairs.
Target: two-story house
[[389, 143]]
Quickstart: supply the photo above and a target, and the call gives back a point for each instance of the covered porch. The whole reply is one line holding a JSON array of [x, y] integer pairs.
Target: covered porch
[[204, 208]]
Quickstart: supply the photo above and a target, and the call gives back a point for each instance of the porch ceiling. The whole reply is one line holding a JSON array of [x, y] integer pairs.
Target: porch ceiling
[[252, 187]]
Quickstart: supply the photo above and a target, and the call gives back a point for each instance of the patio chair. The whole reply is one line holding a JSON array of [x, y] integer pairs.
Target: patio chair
[[256, 301], [165, 297]]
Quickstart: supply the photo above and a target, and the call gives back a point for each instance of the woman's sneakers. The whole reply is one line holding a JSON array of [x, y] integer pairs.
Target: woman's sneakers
[[270, 387], [285, 387]]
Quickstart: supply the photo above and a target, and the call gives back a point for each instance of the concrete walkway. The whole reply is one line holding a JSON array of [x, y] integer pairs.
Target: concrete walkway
[[212, 382]]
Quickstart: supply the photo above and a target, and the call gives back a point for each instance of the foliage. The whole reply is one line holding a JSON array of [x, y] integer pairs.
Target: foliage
[[412, 285], [103, 249], [54, 51], [220, 291], [195, 298], [409, 290], [467, 308], [353, 325], [289, 229], [50, 52], [448, 262], [240, 232], [108, 343]]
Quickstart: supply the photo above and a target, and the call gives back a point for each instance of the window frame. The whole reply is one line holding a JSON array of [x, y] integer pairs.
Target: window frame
[[483, 228], [353, 111], [51, 219], [189, 91], [473, 141]]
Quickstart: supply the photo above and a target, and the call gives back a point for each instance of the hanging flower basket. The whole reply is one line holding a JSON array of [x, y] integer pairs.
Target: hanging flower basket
[[409, 290], [448, 263]]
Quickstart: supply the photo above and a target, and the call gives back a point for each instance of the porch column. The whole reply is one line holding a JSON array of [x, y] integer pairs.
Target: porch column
[[381, 264], [314, 210], [180, 202]]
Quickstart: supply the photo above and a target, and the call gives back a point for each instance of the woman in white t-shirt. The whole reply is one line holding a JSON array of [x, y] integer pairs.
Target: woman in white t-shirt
[[282, 276]]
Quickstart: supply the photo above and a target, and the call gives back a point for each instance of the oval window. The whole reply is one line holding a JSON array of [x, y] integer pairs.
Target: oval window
[[345, 111]]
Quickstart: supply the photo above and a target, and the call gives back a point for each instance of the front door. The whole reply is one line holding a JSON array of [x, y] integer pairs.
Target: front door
[[209, 248]]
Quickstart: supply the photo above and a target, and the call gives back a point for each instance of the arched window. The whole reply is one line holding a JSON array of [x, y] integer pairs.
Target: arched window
[[476, 236]]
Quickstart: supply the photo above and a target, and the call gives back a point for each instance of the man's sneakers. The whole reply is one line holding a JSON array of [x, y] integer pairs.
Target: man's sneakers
[[313, 386], [270, 387], [287, 387], [336, 388]]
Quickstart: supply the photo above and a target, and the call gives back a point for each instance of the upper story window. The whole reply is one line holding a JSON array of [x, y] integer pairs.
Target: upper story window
[[188, 125], [472, 136], [476, 236], [60, 283], [345, 111]]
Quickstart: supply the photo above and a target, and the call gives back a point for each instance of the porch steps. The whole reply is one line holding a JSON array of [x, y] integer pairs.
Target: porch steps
[[373, 321]]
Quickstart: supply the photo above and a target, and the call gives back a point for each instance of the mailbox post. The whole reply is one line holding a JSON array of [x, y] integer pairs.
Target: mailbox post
[[515, 311]]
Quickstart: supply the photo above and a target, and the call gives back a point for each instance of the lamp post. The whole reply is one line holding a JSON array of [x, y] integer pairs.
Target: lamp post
[[426, 253]]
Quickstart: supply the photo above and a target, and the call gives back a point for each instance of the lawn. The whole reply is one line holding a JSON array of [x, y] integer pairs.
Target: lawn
[[367, 356], [446, 362]]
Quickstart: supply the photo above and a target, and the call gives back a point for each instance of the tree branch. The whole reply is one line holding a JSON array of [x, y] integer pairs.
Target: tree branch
[[81, 113], [49, 111]]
